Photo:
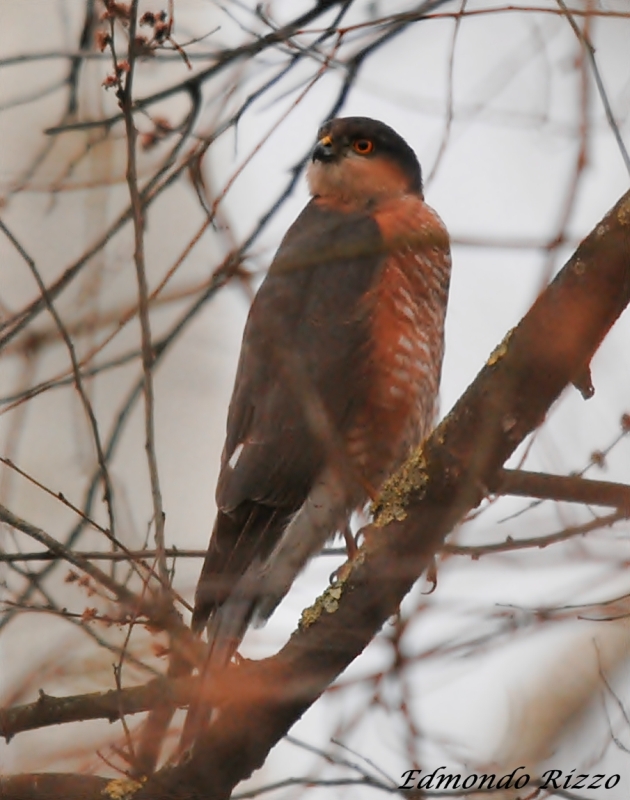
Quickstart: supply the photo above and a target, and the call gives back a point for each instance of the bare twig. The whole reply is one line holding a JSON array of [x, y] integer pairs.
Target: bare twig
[[511, 544], [152, 610], [78, 380], [137, 210], [590, 53], [98, 555]]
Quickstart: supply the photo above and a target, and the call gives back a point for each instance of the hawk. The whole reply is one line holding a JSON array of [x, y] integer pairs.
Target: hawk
[[338, 373]]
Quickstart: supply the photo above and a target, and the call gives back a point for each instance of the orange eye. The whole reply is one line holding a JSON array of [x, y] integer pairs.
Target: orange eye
[[362, 146]]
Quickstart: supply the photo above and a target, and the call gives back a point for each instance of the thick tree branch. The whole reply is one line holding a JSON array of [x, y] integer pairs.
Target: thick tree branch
[[259, 701], [48, 785], [551, 346]]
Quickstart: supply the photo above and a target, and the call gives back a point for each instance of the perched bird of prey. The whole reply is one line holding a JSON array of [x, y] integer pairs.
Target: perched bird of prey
[[338, 373]]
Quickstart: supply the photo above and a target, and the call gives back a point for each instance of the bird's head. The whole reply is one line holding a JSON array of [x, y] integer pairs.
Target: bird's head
[[359, 162]]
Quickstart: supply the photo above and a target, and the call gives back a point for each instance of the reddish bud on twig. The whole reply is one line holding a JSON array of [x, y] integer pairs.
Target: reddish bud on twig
[[103, 40], [598, 458]]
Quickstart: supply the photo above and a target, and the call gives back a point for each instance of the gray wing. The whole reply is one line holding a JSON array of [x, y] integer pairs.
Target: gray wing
[[301, 377]]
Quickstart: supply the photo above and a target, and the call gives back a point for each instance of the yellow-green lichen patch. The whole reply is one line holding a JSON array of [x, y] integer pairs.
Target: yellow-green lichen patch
[[330, 599], [122, 788], [328, 602], [392, 502], [309, 616], [501, 349], [623, 215]]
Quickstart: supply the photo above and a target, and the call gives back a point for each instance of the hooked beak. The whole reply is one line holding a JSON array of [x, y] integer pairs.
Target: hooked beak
[[324, 150]]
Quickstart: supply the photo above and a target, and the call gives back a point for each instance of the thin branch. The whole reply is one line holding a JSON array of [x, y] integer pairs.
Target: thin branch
[[58, 496], [137, 210], [110, 705], [152, 610], [222, 59], [448, 123], [590, 52], [98, 555], [78, 380], [604, 611], [510, 545], [79, 621], [45, 785], [123, 594], [568, 489]]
